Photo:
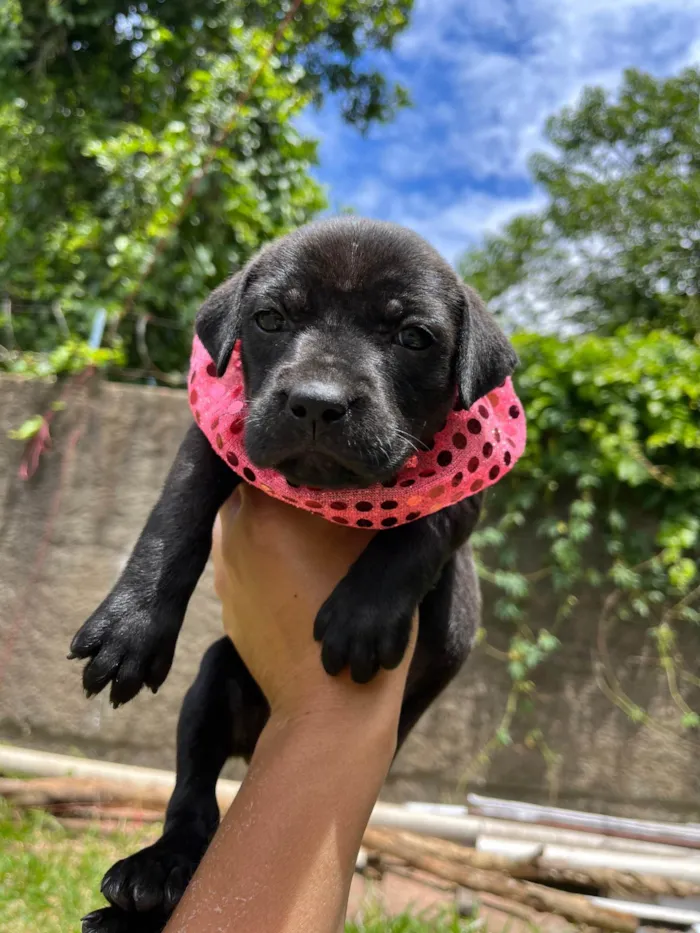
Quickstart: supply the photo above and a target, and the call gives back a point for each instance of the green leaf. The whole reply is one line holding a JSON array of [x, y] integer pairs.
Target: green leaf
[[682, 573], [28, 429], [504, 737], [546, 641], [624, 577]]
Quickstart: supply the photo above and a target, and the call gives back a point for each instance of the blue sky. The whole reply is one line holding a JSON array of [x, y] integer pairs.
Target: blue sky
[[483, 76]]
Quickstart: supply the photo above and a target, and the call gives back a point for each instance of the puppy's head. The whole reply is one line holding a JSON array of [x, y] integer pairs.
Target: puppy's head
[[354, 335]]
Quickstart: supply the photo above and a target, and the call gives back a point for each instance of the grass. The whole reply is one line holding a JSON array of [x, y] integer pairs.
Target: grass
[[50, 878]]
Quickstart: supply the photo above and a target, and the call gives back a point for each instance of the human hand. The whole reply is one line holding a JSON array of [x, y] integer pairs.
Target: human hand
[[275, 565]]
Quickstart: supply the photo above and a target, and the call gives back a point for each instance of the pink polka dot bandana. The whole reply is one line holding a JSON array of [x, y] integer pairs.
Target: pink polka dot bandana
[[472, 451]]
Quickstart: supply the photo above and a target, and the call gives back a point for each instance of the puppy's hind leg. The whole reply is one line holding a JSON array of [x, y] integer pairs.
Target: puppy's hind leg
[[449, 619], [222, 715]]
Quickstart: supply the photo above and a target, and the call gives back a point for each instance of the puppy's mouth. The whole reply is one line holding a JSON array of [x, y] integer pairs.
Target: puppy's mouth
[[323, 471]]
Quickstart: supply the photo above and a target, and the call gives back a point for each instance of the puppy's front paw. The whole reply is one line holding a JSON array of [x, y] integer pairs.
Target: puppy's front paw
[[128, 642], [362, 635], [114, 920]]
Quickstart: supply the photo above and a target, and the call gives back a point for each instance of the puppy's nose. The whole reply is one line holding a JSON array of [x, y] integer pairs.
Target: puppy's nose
[[319, 402]]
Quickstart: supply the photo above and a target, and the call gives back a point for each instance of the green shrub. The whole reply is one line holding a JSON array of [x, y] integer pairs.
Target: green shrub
[[610, 486]]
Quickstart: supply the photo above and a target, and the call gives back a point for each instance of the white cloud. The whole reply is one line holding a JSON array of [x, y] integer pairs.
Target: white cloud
[[455, 226], [511, 64], [485, 74]]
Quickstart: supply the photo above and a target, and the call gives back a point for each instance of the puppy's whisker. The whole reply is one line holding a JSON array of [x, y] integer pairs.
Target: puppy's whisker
[[415, 442]]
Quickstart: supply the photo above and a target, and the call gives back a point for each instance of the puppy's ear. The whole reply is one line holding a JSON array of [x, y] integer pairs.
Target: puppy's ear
[[485, 357], [218, 321]]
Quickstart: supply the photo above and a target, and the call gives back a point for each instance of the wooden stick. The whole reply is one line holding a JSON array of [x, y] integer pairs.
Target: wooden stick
[[146, 791], [96, 813], [512, 909], [677, 864], [573, 907], [530, 869], [44, 792]]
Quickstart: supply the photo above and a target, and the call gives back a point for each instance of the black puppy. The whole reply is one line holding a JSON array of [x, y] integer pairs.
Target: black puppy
[[354, 335]]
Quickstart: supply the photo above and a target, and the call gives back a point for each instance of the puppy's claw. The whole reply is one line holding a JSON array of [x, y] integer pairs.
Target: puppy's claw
[[113, 920], [93, 921]]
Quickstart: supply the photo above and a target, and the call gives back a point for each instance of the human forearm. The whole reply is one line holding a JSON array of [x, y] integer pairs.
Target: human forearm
[[283, 858]]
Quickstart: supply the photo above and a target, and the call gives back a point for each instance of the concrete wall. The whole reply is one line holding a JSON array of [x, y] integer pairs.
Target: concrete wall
[[66, 533]]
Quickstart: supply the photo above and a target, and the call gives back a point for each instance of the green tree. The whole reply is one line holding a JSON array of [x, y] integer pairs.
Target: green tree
[[110, 109], [619, 239]]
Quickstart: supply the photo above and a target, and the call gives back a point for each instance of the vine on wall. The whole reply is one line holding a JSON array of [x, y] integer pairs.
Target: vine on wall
[[610, 487]]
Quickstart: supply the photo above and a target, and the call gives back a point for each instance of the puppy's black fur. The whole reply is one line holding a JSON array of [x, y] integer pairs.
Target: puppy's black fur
[[355, 335]]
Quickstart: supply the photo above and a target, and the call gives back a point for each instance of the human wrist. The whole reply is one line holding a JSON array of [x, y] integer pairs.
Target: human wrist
[[334, 729]]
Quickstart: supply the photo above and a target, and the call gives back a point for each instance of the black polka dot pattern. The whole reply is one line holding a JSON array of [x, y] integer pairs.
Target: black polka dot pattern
[[471, 450]]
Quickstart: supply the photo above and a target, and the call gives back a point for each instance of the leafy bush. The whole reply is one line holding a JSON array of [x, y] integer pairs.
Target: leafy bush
[[610, 486]]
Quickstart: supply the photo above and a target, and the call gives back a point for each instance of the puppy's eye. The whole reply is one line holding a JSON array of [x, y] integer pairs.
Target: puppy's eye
[[414, 338], [270, 320]]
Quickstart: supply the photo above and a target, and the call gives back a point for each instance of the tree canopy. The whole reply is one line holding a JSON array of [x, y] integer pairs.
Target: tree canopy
[[618, 241], [110, 109]]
